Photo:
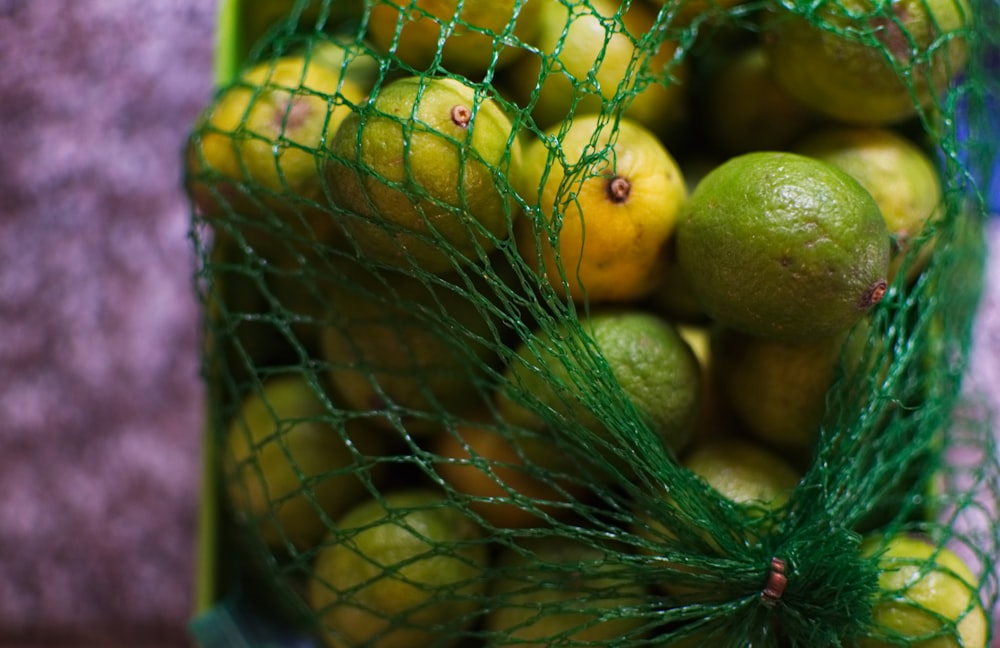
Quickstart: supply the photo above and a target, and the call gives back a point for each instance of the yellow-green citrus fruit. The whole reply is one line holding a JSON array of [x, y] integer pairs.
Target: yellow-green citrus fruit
[[469, 36], [586, 56], [927, 596], [655, 368], [783, 246], [895, 171], [777, 390], [866, 62], [551, 590], [605, 201], [252, 163], [490, 466], [746, 111], [744, 472], [401, 570], [414, 174], [288, 465], [256, 19], [395, 344]]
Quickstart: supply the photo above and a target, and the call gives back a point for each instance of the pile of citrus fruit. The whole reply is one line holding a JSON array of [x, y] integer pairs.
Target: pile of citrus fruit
[[450, 242]]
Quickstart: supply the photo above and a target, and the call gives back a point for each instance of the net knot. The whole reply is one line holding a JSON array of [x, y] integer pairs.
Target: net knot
[[776, 581]]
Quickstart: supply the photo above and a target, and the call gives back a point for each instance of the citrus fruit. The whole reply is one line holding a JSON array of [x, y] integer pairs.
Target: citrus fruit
[[866, 62], [504, 486], [651, 364], [607, 199], [587, 57], [348, 57], [686, 12], [252, 164], [715, 415], [414, 174], [401, 570], [260, 17], [469, 37], [783, 246], [288, 466], [894, 170], [406, 350], [777, 390], [744, 110], [745, 473], [552, 590], [927, 596]]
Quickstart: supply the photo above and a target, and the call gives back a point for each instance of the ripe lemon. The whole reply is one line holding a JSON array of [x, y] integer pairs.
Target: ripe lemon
[[469, 37], [895, 171], [288, 465], [783, 246], [587, 57], [402, 570], [551, 590], [927, 596], [606, 202], [866, 62], [252, 163], [414, 174]]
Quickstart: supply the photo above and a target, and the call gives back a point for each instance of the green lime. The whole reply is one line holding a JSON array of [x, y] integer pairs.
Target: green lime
[[895, 171], [783, 246], [649, 360], [403, 569]]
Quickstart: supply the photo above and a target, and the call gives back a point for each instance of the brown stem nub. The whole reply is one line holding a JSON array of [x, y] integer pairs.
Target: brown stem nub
[[618, 189], [873, 295], [461, 115]]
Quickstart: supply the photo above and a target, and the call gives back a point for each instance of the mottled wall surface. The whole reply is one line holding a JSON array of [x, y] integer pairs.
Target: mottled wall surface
[[100, 399]]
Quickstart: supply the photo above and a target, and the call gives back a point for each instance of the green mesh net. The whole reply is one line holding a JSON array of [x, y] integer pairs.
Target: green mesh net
[[431, 428]]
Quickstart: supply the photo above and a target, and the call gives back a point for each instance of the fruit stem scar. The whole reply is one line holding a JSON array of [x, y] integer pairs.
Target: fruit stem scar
[[618, 189], [461, 115], [873, 295], [776, 581]]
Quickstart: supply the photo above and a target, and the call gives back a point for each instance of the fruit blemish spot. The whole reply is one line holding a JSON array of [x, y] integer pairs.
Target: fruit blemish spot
[[874, 294]]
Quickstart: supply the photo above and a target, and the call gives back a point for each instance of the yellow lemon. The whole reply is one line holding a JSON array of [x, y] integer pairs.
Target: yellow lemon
[[605, 203]]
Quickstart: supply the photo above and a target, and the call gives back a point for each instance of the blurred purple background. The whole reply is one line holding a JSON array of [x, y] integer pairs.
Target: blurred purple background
[[100, 397]]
